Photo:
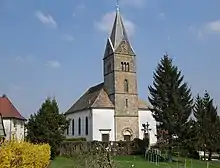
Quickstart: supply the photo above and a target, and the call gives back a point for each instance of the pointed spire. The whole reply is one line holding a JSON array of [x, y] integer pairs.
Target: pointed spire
[[117, 5], [118, 33]]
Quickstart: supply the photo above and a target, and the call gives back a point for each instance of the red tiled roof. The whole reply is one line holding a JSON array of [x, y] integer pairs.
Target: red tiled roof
[[8, 110]]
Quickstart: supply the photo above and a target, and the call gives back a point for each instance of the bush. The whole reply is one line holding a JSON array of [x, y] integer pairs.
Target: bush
[[76, 139], [16, 154], [140, 146]]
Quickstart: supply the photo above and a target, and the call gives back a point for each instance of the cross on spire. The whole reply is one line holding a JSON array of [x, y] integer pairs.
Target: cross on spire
[[117, 5]]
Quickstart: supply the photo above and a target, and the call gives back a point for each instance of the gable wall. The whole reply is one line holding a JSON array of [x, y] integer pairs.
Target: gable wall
[[14, 127], [144, 117], [103, 119]]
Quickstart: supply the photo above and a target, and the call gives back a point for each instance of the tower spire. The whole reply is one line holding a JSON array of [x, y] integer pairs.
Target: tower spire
[[117, 5], [118, 34]]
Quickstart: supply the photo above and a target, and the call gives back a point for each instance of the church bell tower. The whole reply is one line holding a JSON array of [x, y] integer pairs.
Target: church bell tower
[[120, 80]]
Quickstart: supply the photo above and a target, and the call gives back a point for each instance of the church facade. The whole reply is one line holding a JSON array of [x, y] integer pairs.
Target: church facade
[[112, 110]]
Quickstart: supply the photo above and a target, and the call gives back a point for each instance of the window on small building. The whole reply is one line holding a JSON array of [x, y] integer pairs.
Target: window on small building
[[105, 137], [15, 122], [126, 85], [126, 102], [73, 127], [79, 126], [87, 126]]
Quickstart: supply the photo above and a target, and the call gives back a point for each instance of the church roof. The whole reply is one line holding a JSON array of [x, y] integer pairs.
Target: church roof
[[96, 97], [8, 110], [143, 105]]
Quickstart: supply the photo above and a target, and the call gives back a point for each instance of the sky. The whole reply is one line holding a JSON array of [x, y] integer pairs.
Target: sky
[[55, 48]]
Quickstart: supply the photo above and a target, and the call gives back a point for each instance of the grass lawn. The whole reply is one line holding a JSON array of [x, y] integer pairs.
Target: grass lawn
[[138, 162]]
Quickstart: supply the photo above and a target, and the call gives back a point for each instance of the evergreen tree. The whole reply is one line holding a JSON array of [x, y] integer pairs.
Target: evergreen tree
[[47, 126], [171, 99], [207, 124]]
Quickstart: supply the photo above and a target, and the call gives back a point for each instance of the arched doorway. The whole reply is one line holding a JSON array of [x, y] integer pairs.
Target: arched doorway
[[127, 134]]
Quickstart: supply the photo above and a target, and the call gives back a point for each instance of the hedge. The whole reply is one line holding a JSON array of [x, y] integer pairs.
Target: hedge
[[16, 154], [117, 148], [76, 139]]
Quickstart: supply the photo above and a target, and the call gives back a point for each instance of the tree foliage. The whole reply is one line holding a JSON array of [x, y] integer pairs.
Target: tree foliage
[[47, 126], [170, 98], [207, 124]]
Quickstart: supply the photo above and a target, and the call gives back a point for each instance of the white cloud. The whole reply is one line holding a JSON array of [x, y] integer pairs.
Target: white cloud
[[213, 26], [68, 37], [24, 59], [106, 23], [79, 9], [133, 3], [207, 29], [53, 64], [46, 19]]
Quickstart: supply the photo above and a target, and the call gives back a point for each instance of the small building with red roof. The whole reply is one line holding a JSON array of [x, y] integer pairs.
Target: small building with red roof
[[13, 120]]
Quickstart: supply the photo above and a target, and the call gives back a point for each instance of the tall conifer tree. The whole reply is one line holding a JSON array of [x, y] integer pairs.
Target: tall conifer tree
[[170, 98], [207, 124]]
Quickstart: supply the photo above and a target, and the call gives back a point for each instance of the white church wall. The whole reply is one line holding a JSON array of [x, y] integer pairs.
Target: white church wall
[[103, 122], [82, 115], [14, 128], [144, 117]]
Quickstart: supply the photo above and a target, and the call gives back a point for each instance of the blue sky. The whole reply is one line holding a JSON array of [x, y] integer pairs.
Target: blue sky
[[55, 48]]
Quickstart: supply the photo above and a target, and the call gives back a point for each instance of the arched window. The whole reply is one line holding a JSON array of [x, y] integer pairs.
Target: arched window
[[73, 127], [67, 131], [122, 66], [87, 126], [79, 126], [126, 85], [126, 102], [127, 67]]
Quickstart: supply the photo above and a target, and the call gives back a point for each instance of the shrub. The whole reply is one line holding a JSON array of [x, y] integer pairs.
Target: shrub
[[140, 146], [98, 156], [16, 154]]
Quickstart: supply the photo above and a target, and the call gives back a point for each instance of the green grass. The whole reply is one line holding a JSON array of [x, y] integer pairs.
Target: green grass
[[139, 162]]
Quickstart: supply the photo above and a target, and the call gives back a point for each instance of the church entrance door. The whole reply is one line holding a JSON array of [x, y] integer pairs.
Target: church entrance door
[[127, 137], [127, 134]]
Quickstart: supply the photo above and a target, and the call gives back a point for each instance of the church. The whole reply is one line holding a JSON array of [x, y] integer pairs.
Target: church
[[112, 110]]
